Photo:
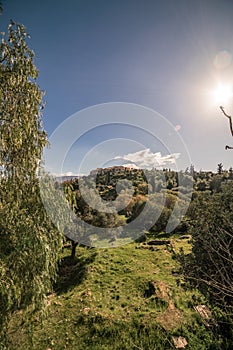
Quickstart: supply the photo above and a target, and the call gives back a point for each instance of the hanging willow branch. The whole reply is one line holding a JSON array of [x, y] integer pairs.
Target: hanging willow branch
[[230, 122]]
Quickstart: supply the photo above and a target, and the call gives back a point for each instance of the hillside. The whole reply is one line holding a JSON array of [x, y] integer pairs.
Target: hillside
[[132, 296]]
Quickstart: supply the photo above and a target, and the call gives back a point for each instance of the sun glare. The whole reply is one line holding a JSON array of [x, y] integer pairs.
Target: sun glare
[[223, 94]]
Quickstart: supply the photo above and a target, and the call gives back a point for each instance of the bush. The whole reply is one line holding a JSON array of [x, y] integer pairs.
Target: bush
[[211, 264]]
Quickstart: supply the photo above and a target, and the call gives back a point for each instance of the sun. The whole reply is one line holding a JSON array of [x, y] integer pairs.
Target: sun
[[222, 94]]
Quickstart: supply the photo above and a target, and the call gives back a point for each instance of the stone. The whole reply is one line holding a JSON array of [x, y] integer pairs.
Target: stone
[[179, 342], [203, 311], [159, 242]]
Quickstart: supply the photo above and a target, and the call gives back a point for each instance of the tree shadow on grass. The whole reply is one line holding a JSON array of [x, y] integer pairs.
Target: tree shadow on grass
[[159, 235], [72, 271]]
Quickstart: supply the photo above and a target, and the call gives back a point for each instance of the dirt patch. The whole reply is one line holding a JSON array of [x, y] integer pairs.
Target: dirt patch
[[159, 289], [162, 290], [170, 318]]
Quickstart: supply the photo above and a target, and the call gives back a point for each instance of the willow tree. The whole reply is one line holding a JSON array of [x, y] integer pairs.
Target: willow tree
[[29, 243]]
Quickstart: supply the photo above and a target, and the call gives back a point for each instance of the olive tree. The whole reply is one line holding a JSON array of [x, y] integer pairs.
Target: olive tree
[[29, 243]]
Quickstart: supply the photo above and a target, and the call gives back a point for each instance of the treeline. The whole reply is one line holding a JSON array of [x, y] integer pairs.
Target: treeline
[[131, 188], [130, 191]]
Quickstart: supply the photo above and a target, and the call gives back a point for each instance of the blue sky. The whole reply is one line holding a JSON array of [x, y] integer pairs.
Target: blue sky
[[165, 55]]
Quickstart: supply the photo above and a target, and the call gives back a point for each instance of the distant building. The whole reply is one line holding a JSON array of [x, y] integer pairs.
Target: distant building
[[111, 170]]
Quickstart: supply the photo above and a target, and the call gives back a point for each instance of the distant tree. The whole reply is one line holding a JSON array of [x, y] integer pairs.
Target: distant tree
[[191, 170], [170, 184], [89, 217], [216, 183], [230, 173], [136, 206], [219, 169], [162, 221], [201, 185], [143, 188], [29, 244]]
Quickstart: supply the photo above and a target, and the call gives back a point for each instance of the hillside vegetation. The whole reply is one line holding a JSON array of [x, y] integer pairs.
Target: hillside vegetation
[[143, 295]]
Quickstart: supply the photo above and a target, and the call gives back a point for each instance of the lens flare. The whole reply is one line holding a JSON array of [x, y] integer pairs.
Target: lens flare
[[223, 94]]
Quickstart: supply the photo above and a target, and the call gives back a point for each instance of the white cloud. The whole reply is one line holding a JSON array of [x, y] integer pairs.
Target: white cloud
[[147, 159], [68, 173]]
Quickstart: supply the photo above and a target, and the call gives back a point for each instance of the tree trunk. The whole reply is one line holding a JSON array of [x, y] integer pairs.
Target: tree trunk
[[74, 245]]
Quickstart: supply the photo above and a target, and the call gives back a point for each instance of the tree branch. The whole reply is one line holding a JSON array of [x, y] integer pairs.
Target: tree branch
[[231, 127], [229, 117]]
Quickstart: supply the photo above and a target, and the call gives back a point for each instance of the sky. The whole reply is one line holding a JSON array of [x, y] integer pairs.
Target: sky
[[171, 57]]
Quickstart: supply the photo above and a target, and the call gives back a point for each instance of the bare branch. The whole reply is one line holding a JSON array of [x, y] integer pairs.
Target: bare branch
[[230, 119]]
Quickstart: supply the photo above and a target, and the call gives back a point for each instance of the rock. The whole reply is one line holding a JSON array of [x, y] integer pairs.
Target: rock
[[159, 242], [179, 342], [205, 314], [175, 273], [203, 311], [141, 239], [185, 237]]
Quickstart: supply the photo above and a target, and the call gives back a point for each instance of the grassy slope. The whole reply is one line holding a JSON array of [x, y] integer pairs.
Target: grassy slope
[[130, 297]]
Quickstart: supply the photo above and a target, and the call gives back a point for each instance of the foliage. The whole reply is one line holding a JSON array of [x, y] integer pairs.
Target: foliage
[[29, 244], [211, 263], [113, 184]]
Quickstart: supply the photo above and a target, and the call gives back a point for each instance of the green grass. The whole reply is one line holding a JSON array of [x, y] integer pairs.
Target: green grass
[[129, 297]]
